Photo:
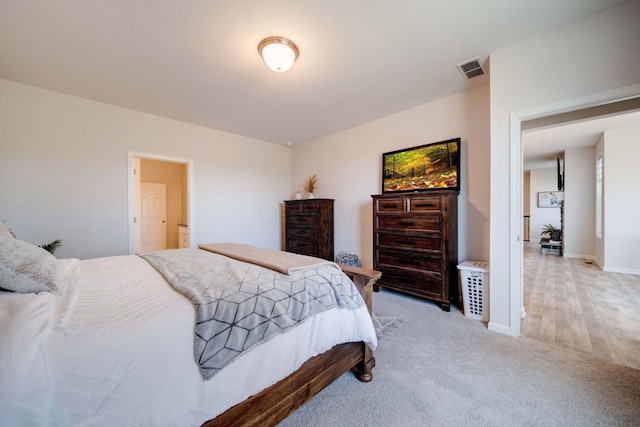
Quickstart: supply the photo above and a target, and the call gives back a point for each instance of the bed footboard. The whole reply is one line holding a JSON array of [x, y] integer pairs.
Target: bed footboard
[[364, 279]]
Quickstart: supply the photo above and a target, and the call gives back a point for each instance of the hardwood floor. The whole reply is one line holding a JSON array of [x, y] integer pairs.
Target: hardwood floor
[[571, 303]]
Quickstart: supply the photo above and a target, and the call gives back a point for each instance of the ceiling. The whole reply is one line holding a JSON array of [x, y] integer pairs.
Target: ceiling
[[541, 147], [197, 61]]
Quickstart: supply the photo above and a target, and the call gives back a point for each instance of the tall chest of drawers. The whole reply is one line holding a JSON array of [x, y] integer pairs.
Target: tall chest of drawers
[[309, 227], [415, 244]]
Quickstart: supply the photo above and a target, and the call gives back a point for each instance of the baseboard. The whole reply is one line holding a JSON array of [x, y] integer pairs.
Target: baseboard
[[499, 328], [621, 270], [606, 269], [597, 261], [580, 256]]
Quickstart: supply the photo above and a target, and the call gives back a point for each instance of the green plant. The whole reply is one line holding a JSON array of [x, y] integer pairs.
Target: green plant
[[548, 229], [51, 247], [551, 230]]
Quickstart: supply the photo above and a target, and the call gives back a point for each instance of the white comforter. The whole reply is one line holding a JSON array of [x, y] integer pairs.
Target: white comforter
[[115, 347]]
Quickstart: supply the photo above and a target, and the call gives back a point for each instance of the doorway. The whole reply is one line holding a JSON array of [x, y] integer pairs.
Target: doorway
[[154, 223], [547, 113], [574, 302]]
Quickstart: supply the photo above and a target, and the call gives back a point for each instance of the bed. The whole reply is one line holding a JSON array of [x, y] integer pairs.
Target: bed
[[112, 342]]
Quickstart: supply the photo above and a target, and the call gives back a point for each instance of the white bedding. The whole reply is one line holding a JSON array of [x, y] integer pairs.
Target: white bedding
[[109, 354], [25, 377]]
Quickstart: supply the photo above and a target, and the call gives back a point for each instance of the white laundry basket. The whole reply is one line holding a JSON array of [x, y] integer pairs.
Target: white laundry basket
[[474, 278]]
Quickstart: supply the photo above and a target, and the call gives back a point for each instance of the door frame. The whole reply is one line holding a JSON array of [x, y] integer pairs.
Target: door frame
[[133, 196], [516, 308]]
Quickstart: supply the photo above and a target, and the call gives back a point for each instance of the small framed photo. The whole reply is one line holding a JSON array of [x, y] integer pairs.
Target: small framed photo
[[550, 199]]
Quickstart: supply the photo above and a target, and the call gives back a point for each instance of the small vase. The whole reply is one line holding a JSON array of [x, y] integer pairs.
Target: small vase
[[298, 195], [311, 196]]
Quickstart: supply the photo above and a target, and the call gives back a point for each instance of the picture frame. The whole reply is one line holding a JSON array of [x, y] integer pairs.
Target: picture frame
[[550, 199], [429, 167]]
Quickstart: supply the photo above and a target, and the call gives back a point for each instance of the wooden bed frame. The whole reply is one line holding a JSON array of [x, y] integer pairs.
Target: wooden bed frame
[[275, 403]]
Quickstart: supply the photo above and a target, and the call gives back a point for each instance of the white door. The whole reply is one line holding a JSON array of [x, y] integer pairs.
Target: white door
[[153, 217]]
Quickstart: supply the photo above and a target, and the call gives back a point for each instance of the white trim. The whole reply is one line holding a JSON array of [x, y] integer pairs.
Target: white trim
[[499, 328], [622, 270], [606, 269], [597, 261], [515, 170], [131, 184], [516, 304], [580, 256]]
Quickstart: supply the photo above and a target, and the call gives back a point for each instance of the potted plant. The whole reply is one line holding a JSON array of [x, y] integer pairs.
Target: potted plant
[[311, 185], [553, 232], [52, 247]]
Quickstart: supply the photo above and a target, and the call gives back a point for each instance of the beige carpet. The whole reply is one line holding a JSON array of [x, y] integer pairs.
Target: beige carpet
[[443, 369]]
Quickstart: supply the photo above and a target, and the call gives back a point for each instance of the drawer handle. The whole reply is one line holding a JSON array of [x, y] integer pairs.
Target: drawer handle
[[408, 224], [405, 242], [301, 232]]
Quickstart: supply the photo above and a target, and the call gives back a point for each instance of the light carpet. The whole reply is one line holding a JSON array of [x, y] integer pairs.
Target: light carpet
[[444, 369]]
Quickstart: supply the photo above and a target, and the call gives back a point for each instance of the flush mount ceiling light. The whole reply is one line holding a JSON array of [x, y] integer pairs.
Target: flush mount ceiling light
[[278, 53]]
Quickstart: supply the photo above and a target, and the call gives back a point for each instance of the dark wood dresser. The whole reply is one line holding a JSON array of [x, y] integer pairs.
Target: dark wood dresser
[[309, 227], [415, 243]]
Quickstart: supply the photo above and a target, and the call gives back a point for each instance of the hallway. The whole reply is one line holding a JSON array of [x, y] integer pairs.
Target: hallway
[[570, 302]]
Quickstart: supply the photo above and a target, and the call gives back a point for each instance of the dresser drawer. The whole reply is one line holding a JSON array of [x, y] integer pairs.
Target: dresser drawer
[[302, 246], [390, 205], [302, 220], [410, 259], [427, 242], [426, 284], [408, 222], [305, 232], [432, 204], [293, 208]]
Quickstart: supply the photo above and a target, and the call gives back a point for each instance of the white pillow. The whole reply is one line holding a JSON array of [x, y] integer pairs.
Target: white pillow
[[27, 268]]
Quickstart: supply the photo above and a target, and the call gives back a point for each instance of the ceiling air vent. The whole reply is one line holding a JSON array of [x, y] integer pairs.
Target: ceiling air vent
[[471, 68]]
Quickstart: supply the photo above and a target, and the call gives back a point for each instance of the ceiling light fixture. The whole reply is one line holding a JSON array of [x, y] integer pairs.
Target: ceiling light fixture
[[278, 53]]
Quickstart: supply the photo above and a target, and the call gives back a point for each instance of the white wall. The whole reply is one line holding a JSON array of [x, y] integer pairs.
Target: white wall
[[348, 165], [63, 173], [592, 56], [542, 180], [579, 202], [622, 205]]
